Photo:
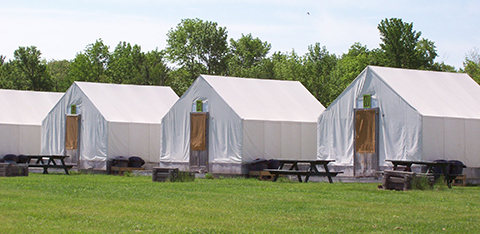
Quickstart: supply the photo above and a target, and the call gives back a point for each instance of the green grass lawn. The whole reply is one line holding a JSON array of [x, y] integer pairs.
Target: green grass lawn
[[84, 203]]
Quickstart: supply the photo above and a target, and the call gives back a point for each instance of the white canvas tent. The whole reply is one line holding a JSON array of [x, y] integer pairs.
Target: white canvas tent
[[246, 119], [109, 120], [420, 115], [21, 120]]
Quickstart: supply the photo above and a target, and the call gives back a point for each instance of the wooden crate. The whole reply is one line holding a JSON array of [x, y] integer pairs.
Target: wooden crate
[[460, 181], [397, 180], [160, 174], [10, 169]]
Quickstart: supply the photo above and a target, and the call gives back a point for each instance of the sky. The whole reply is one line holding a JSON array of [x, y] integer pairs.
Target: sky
[[62, 28]]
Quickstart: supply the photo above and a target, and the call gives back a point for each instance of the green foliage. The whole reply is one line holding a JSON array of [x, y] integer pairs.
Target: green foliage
[[428, 183], [403, 47], [443, 67], [184, 176], [26, 72], [94, 203], [155, 70], [318, 76], [8, 76], [59, 70], [200, 47], [209, 176], [197, 47], [125, 64], [472, 65], [91, 65], [421, 183], [246, 53]]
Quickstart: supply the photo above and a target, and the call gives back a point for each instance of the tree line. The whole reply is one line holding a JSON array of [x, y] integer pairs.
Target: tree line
[[197, 47]]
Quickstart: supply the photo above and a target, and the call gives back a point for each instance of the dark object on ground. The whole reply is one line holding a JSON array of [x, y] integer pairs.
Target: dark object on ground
[[10, 158], [258, 164], [22, 159], [439, 169], [135, 161], [273, 164], [397, 180], [120, 161], [456, 167], [10, 169]]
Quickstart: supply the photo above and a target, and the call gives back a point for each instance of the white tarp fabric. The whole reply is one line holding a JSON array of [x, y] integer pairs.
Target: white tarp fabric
[[249, 119], [21, 120], [423, 115], [116, 120]]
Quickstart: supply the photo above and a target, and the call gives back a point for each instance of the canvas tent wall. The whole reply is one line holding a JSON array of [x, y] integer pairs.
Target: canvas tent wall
[[421, 115], [21, 120], [113, 120], [246, 119]]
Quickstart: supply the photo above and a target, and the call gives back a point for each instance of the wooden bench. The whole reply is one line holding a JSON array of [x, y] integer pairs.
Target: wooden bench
[[48, 161], [310, 170], [121, 170], [304, 173]]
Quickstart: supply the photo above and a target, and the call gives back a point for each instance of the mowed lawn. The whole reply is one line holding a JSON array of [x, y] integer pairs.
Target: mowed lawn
[[86, 203]]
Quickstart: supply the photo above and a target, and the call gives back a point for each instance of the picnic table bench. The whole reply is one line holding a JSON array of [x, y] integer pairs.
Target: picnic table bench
[[407, 166], [311, 170], [48, 161]]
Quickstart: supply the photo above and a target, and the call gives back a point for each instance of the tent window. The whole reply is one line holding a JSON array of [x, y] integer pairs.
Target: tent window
[[198, 131], [71, 133], [367, 101], [199, 106], [73, 109], [365, 131]]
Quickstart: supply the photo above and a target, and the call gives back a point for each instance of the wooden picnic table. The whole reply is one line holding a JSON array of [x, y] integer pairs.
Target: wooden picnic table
[[430, 168], [48, 161], [311, 170]]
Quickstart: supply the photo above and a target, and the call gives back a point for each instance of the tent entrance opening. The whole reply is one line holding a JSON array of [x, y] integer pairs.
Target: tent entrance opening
[[71, 138], [199, 142], [366, 142]]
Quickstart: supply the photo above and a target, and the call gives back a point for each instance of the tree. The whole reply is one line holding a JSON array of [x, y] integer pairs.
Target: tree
[[8, 75], [246, 53], [125, 64], [58, 70], [287, 66], [33, 71], [198, 46], [319, 80], [156, 71], [351, 64], [472, 65], [402, 45], [91, 65]]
